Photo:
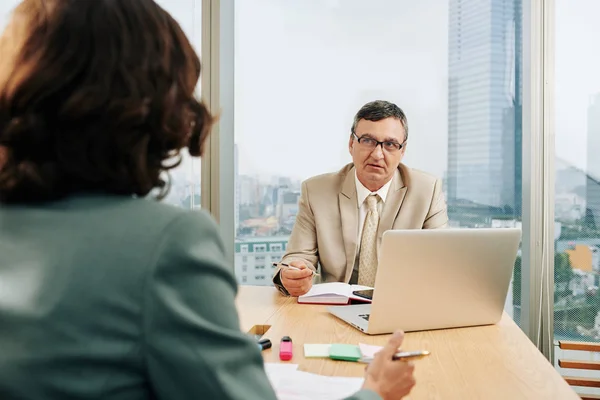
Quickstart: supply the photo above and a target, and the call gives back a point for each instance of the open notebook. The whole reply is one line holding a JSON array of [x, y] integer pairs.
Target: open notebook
[[332, 293]]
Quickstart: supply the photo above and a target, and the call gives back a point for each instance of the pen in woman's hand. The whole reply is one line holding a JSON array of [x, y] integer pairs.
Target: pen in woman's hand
[[403, 355], [410, 355]]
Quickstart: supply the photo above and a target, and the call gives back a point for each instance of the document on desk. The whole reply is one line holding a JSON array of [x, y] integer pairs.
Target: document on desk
[[291, 384]]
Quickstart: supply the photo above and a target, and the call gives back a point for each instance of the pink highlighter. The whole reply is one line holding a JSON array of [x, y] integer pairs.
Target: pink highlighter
[[285, 349]]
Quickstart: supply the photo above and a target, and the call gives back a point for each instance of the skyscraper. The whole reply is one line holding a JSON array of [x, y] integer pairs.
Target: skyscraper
[[236, 182], [592, 187], [484, 105]]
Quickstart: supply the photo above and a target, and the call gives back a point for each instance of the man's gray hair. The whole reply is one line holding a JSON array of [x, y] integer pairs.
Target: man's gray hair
[[378, 110]]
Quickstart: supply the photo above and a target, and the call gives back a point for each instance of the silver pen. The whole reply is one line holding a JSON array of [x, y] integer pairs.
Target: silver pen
[[403, 355], [294, 268]]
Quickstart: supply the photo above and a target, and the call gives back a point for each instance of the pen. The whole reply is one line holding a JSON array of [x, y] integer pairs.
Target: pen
[[294, 268], [403, 355], [410, 355]]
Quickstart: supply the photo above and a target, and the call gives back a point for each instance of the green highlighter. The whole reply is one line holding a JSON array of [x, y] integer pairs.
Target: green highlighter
[[345, 352]]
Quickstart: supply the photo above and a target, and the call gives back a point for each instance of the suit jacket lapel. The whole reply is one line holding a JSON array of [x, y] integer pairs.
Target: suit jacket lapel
[[392, 205], [349, 216]]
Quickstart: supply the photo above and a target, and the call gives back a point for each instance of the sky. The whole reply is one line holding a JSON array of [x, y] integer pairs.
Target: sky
[[577, 69], [303, 69]]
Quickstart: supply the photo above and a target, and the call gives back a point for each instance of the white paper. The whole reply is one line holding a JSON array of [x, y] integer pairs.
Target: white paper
[[274, 368], [336, 288], [291, 384], [339, 288]]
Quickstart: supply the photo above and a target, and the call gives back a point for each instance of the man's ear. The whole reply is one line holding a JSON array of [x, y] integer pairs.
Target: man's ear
[[403, 150]]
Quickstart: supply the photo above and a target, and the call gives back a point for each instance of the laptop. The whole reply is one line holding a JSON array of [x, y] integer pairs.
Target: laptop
[[437, 279]]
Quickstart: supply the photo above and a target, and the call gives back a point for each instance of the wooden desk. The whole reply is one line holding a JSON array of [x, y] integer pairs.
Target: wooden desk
[[489, 362], [256, 305]]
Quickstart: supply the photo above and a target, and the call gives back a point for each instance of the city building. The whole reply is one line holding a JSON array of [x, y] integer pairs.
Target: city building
[[569, 207], [585, 257], [593, 164], [237, 193], [484, 109], [254, 258], [287, 207]]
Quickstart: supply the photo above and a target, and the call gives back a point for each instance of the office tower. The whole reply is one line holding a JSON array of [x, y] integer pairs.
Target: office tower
[[485, 107], [254, 258], [592, 187], [236, 182]]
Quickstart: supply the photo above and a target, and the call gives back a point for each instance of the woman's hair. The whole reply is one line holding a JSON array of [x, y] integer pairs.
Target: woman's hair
[[98, 97]]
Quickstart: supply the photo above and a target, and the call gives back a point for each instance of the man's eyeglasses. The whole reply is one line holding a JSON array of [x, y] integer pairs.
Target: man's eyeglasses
[[371, 143]]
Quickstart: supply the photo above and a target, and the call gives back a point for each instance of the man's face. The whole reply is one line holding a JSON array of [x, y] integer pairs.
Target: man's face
[[376, 166]]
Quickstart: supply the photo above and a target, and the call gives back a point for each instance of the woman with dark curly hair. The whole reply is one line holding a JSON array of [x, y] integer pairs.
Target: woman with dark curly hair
[[106, 293]]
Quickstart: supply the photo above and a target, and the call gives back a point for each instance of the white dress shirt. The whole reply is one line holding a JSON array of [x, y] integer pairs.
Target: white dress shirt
[[361, 195]]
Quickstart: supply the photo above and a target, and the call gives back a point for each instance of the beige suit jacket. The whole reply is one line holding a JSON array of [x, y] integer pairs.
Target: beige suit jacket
[[326, 228]]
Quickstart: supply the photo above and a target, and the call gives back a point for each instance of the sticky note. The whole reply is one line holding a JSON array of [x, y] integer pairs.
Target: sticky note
[[345, 352], [316, 350]]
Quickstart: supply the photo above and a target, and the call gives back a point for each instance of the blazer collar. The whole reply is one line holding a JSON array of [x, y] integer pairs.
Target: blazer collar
[[349, 216], [391, 208]]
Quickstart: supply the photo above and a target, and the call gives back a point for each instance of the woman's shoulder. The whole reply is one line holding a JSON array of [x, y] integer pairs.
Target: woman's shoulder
[[146, 216]]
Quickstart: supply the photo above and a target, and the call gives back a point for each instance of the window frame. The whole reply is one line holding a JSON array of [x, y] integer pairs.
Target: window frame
[[538, 152]]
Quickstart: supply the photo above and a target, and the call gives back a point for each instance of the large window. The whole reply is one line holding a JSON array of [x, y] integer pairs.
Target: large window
[[303, 69], [185, 187], [577, 201], [6, 7], [185, 179]]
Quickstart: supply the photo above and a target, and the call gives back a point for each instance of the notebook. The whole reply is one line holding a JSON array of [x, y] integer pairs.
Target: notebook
[[332, 293]]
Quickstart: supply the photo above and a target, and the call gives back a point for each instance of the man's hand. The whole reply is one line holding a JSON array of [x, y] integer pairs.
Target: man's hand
[[297, 282], [390, 379]]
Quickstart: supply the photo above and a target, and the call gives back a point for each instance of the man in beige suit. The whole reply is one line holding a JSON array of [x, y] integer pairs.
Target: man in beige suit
[[342, 215]]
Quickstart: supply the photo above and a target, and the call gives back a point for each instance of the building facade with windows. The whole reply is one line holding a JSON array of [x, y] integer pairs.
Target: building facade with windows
[[484, 109], [254, 258]]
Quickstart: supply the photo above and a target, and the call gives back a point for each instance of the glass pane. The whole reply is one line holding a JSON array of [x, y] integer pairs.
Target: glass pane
[[577, 204], [6, 8], [185, 186], [454, 67]]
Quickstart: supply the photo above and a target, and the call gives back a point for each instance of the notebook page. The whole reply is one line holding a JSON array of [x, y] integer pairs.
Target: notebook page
[[337, 288]]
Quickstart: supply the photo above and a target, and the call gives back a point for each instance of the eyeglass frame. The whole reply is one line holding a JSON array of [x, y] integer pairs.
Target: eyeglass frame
[[398, 146]]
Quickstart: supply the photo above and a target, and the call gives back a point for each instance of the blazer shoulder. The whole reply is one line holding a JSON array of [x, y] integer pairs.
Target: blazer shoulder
[[155, 217], [417, 178], [184, 222], [190, 235]]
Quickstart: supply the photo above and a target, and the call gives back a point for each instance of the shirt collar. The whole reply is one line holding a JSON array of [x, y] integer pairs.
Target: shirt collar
[[362, 192]]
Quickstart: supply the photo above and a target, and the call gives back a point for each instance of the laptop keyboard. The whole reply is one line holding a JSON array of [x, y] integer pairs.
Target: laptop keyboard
[[364, 316]]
